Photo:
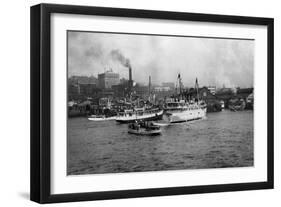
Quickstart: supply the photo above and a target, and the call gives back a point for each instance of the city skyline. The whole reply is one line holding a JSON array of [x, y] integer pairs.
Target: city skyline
[[218, 62], [146, 83]]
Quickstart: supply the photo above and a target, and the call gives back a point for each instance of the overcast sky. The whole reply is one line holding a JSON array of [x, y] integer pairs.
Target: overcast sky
[[213, 61]]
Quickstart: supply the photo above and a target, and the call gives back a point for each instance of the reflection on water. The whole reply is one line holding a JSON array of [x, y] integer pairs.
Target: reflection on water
[[223, 139]]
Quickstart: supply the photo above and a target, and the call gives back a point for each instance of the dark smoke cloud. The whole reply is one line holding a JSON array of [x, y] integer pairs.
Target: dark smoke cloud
[[118, 56]]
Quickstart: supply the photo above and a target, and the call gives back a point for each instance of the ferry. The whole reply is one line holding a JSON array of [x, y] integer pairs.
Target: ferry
[[139, 114]]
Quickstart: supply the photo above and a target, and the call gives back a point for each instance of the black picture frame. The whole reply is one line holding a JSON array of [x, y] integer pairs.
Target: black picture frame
[[40, 103]]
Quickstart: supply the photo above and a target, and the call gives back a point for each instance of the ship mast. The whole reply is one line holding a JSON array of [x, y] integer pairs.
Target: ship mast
[[180, 85], [149, 88], [179, 77], [196, 87]]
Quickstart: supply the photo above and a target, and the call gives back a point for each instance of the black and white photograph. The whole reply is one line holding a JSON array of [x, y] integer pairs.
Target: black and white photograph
[[156, 102]]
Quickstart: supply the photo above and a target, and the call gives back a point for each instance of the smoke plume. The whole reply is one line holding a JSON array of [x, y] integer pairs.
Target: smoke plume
[[118, 56]]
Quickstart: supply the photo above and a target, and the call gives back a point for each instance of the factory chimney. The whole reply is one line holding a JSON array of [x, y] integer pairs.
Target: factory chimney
[[149, 85], [130, 78]]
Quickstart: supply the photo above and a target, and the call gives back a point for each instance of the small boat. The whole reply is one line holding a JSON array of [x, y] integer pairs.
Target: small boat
[[144, 128], [101, 118]]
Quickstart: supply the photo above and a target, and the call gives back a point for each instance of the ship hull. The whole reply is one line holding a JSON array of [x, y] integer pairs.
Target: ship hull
[[144, 132], [134, 118], [101, 118], [185, 115]]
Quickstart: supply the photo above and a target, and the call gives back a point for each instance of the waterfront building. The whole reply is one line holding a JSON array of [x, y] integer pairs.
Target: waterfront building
[[81, 87], [87, 89], [161, 88], [72, 90], [171, 85], [82, 80], [141, 91], [108, 79], [244, 92], [120, 90], [212, 89], [80, 91], [225, 94], [203, 94], [106, 93]]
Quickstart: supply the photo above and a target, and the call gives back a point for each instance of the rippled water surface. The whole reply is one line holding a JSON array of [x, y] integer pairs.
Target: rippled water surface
[[223, 139]]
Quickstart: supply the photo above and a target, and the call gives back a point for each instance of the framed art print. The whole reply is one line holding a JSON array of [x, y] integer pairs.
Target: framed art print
[[133, 103]]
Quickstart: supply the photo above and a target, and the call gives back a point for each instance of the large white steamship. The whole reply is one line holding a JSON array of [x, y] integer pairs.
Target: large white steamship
[[181, 110]]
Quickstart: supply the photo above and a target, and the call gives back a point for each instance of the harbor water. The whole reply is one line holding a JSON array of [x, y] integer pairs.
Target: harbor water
[[223, 139]]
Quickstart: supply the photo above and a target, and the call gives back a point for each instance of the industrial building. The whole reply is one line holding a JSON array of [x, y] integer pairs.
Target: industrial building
[[171, 85], [212, 89], [108, 79]]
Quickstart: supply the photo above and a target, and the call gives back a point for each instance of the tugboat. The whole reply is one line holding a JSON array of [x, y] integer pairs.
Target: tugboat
[[144, 128]]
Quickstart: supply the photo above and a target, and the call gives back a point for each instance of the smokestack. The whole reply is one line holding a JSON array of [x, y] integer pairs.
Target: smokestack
[[130, 74], [78, 87], [149, 85], [130, 79]]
